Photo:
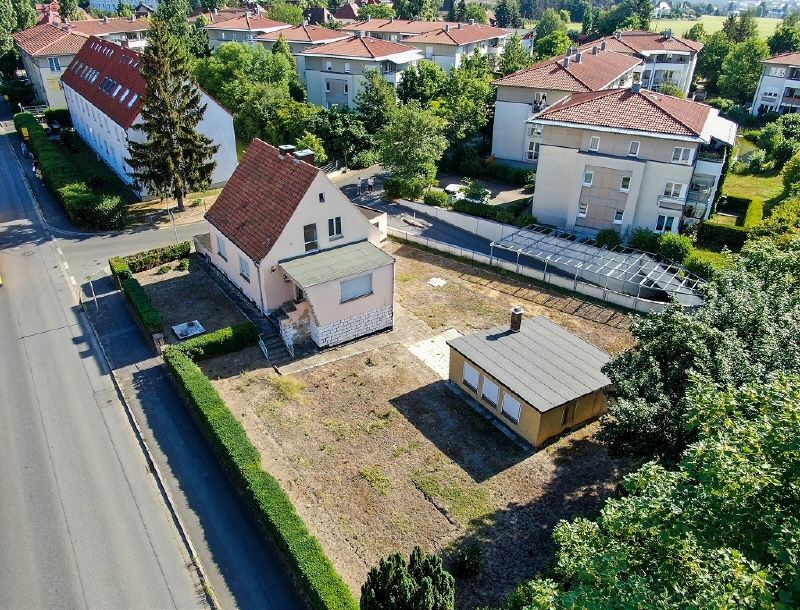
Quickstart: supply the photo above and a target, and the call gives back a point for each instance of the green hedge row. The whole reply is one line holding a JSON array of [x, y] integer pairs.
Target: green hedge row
[[722, 235], [738, 204], [142, 305], [754, 214], [88, 189], [222, 341], [119, 268], [157, 256], [323, 585], [490, 212]]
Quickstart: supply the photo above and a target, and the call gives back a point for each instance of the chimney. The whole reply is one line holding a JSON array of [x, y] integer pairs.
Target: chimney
[[578, 57], [285, 150], [472, 22], [305, 23], [604, 45], [369, 18], [446, 27], [391, 19], [105, 19], [306, 155], [636, 87], [566, 62], [570, 51], [668, 34], [618, 35], [460, 26], [516, 319], [595, 50]]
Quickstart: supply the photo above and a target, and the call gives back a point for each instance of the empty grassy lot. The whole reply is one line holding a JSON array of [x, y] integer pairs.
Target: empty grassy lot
[[711, 24]]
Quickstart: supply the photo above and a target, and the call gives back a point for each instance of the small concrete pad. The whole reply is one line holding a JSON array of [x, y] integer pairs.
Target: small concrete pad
[[435, 352]]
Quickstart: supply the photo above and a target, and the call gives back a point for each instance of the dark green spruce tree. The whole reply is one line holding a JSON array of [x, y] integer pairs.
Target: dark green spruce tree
[[174, 159]]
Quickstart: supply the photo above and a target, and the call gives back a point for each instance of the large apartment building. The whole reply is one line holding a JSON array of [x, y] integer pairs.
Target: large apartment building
[[242, 28], [626, 158], [779, 87], [104, 92], [524, 94], [299, 38], [48, 48]]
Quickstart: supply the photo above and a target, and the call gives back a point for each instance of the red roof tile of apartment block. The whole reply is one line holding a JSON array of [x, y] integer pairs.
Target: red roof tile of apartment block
[[68, 38], [459, 34], [358, 47], [645, 111], [304, 33], [117, 89], [792, 58], [260, 198], [104, 27], [639, 41], [594, 71], [247, 22], [397, 26]]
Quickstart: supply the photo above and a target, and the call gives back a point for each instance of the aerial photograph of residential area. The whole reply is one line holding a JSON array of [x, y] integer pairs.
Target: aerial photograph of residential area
[[400, 304]]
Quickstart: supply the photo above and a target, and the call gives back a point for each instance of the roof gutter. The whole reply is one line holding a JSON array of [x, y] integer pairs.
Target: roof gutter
[[603, 128]]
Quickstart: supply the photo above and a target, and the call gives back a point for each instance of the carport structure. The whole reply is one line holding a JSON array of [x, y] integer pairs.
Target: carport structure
[[619, 269]]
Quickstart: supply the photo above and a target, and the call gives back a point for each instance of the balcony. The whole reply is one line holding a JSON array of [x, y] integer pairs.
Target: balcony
[[670, 203]]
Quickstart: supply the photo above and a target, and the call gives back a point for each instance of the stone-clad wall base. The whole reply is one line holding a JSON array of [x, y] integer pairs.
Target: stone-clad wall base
[[352, 328]]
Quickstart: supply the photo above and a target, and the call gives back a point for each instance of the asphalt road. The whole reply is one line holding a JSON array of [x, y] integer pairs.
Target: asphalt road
[[82, 523]]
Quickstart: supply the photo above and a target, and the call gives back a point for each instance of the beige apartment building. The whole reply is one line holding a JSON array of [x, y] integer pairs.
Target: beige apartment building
[[625, 158]]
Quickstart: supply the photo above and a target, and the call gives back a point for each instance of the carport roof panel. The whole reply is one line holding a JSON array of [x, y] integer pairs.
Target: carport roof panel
[[544, 364], [335, 263]]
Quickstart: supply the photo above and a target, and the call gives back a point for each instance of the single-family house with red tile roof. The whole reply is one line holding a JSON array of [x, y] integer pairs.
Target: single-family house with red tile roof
[[104, 91], [296, 246]]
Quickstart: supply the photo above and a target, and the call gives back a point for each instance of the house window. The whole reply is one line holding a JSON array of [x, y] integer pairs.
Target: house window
[[633, 149], [347, 67], [310, 237], [777, 71], [511, 408], [533, 151], [664, 223], [673, 190], [594, 143], [133, 100], [322, 197], [681, 155], [346, 88], [327, 87], [588, 177], [582, 208], [221, 248], [356, 288], [335, 227], [490, 392], [470, 376], [328, 66], [625, 184], [223, 35], [55, 65], [618, 216], [244, 268]]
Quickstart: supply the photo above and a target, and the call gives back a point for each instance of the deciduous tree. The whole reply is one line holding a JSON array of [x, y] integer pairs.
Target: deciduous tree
[[376, 11], [412, 143], [24, 14], [280, 10], [515, 56], [741, 70], [68, 9], [175, 13], [551, 45], [375, 102], [550, 22], [312, 142], [417, 9], [423, 83], [709, 61]]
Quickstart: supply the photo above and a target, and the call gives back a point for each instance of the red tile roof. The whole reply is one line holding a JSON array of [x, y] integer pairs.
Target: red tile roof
[[304, 33], [792, 58], [248, 22], [397, 26], [645, 111], [260, 198], [104, 27], [67, 39], [462, 33], [355, 46], [347, 11], [113, 63], [592, 73], [222, 14], [639, 41]]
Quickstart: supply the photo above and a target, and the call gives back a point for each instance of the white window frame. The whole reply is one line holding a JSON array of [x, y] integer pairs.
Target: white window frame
[[221, 251], [347, 67], [533, 151], [682, 155], [670, 189], [665, 225], [358, 295], [590, 174], [328, 66], [582, 209], [618, 216], [54, 63], [311, 242], [594, 143], [469, 374], [508, 410], [622, 186], [244, 268], [327, 87], [335, 227], [489, 383], [633, 151]]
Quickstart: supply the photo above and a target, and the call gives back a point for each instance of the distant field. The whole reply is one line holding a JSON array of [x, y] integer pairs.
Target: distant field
[[711, 24]]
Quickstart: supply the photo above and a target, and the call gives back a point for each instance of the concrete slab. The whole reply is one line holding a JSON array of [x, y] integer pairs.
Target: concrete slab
[[434, 351]]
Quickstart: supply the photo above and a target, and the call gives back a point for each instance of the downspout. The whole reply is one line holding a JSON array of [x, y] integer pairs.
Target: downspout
[[260, 291]]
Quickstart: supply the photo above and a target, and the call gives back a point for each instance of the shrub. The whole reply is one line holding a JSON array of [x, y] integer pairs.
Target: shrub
[[222, 341], [791, 174], [70, 138], [60, 115], [476, 191], [737, 204], [482, 210], [644, 239], [722, 235], [421, 583], [119, 268], [674, 247], [608, 238], [413, 189], [323, 586], [438, 199], [699, 266], [364, 158], [467, 560], [184, 264], [783, 221], [468, 162], [525, 220], [505, 173], [157, 256], [757, 162], [145, 310]]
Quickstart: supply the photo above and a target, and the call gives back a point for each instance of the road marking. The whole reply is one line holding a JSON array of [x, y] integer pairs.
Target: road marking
[[72, 279], [66, 264], [60, 251]]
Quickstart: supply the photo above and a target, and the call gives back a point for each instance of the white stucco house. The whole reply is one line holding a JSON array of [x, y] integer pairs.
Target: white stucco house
[[104, 91], [779, 87], [296, 246], [241, 28]]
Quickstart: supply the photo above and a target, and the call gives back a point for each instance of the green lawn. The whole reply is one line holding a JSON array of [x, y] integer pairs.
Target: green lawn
[[679, 27], [764, 186], [712, 255]]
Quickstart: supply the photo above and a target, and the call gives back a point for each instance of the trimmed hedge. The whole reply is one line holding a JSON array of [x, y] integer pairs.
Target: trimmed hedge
[[88, 189], [738, 204], [324, 587], [722, 235], [157, 256], [119, 268], [490, 212], [222, 341], [437, 199], [61, 115], [142, 305], [754, 214]]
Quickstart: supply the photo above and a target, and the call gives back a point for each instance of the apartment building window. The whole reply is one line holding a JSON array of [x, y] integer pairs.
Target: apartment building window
[[322, 197], [777, 71], [594, 143], [347, 67], [328, 66], [244, 268], [625, 184], [534, 130], [633, 149], [582, 209], [346, 88], [533, 151], [669, 75], [618, 214], [310, 237], [327, 87], [55, 65], [588, 177], [673, 190], [335, 227], [664, 223], [221, 248], [681, 155]]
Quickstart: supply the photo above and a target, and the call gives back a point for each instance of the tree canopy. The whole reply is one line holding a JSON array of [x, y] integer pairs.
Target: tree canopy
[[508, 14], [741, 70], [375, 102], [515, 56], [376, 11], [551, 45], [423, 82], [550, 22], [412, 143], [417, 9], [786, 37]]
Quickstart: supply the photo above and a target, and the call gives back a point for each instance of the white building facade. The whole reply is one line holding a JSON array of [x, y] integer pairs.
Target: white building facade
[[779, 87]]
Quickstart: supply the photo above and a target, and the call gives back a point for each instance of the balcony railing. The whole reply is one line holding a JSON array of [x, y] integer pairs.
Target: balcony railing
[[711, 155], [670, 203]]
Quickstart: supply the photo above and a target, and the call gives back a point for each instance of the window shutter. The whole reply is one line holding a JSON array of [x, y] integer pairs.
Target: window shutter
[[357, 287]]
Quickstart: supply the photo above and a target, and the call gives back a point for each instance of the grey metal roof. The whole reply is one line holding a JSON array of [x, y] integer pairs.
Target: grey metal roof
[[335, 263], [543, 364]]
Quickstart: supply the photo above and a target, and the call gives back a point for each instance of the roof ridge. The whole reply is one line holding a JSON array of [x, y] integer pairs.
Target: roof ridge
[[665, 111]]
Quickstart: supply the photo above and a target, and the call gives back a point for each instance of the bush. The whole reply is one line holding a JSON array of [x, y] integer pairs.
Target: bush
[[323, 586], [490, 212], [525, 220], [87, 208], [608, 238], [722, 235], [674, 247], [644, 239], [396, 188], [737, 204], [145, 310], [364, 158], [783, 221], [757, 162], [157, 256], [468, 162], [467, 560], [791, 174], [438, 199], [60, 115], [505, 173], [699, 266], [184, 265], [223, 341]]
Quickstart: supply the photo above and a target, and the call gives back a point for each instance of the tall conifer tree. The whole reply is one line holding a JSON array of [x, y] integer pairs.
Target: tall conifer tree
[[174, 158]]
